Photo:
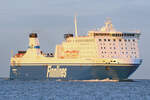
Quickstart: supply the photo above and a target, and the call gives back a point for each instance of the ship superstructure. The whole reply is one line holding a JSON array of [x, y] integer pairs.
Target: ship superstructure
[[102, 54], [103, 43]]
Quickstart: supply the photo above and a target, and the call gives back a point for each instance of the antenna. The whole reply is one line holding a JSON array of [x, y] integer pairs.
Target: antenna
[[75, 23]]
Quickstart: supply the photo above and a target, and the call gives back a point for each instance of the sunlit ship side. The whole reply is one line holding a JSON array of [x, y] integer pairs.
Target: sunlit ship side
[[102, 54]]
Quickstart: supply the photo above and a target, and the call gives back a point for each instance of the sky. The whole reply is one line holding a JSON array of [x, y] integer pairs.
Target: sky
[[52, 18]]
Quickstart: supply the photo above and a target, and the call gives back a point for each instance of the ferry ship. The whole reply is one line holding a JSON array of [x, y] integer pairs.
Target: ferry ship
[[102, 54]]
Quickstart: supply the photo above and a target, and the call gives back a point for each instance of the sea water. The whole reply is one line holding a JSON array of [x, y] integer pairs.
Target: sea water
[[73, 90]]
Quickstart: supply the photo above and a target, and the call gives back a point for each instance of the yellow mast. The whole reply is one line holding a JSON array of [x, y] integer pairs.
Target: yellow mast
[[75, 23]]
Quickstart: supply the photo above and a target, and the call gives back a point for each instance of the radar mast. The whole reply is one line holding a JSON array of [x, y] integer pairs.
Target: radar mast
[[75, 23]]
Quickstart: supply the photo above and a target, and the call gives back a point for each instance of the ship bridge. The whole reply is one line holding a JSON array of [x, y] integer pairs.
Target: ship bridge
[[109, 30]]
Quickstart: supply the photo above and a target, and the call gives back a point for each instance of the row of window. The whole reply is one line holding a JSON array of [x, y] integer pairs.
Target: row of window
[[115, 48], [115, 44], [116, 52], [109, 47], [115, 35], [119, 40], [124, 34], [128, 48], [115, 56]]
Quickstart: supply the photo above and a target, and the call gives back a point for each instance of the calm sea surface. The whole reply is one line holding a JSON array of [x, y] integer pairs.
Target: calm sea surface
[[64, 90]]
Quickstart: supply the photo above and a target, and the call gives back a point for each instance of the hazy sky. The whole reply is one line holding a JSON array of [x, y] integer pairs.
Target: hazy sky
[[52, 18]]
